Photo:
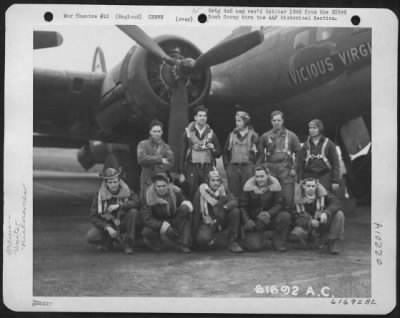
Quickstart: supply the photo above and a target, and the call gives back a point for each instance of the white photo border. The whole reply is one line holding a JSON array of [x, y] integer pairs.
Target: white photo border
[[17, 268]]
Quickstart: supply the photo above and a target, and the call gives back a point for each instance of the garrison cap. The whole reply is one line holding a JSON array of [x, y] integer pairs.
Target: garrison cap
[[242, 112], [110, 173]]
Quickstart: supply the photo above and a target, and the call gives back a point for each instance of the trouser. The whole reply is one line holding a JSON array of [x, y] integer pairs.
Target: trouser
[[288, 195], [130, 223], [195, 175], [145, 182], [280, 224], [181, 221], [281, 171], [336, 226], [203, 234], [332, 230], [237, 175]]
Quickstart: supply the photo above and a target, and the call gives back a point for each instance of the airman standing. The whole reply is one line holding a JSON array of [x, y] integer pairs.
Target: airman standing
[[153, 155], [240, 152], [199, 151], [279, 149], [319, 158]]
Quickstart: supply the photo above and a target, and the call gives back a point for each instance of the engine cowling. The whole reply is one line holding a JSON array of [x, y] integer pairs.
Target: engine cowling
[[140, 87], [96, 152]]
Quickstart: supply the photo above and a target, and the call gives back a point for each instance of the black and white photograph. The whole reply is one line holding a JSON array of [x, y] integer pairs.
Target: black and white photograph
[[205, 161]]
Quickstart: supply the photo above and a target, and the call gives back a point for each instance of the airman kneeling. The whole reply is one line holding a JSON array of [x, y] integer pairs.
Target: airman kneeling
[[215, 209], [114, 213], [318, 216], [166, 213], [261, 205]]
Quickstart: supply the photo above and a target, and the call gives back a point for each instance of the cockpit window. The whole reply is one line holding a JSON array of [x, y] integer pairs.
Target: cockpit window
[[324, 34], [301, 40], [357, 30]]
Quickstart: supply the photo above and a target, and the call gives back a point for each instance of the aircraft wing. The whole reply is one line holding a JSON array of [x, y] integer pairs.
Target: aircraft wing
[[64, 103]]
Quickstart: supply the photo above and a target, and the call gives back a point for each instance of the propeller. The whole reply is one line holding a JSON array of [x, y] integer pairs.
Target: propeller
[[137, 34], [179, 72], [178, 119], [229, 49]]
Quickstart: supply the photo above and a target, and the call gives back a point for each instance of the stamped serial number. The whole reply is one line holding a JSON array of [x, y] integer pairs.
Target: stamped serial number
[[353, 301], [286, 290]]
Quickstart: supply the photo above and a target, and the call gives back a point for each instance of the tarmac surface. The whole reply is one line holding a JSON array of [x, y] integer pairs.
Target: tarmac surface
[[65, 265]]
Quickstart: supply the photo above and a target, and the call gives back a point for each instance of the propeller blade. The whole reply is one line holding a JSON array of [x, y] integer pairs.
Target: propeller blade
[[229, 49], [178, 120], [137, 34]]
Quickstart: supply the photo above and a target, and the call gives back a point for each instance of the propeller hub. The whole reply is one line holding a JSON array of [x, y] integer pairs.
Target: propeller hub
[[169, 75], [185, 67], [164, 76]]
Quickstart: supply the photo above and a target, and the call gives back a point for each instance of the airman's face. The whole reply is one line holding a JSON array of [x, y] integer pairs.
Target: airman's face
[[156, 133], [313, 129], [239, 122], [277, 122], [161, 187], [215, 182], [113, 185], [201, 118], [261, 178], [310, 187]]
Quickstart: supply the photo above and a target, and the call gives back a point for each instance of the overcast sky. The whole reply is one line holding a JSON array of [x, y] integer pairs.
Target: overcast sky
[[80, 42]]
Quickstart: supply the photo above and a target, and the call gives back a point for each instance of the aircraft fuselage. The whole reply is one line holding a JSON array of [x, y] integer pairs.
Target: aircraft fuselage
[[306, 72]]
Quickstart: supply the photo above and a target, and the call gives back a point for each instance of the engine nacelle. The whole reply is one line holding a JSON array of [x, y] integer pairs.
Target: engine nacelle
[[96, 152], [140, 87]]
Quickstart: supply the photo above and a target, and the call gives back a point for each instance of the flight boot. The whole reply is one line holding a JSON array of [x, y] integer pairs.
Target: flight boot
[[234, 246], [128, 247], [107, 245], [154, 245], [301, 235], [280, 248], [184, 249], [333, 247]]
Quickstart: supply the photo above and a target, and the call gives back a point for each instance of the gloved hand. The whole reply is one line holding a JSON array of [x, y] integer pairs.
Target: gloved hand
[[198, 146], [107, 216], [249, 226], [113, 207], [214, 225], [259, 226], [335, 186], [314, 223], [324, 218], [182, 178], [172, 234], [110, 230], [264, 217]]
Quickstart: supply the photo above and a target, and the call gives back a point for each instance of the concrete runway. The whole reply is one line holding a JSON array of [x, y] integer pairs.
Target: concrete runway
[[65, 265]]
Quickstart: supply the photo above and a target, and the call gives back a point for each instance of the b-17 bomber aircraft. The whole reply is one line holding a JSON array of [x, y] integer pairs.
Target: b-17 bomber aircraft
[[307, 72]]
